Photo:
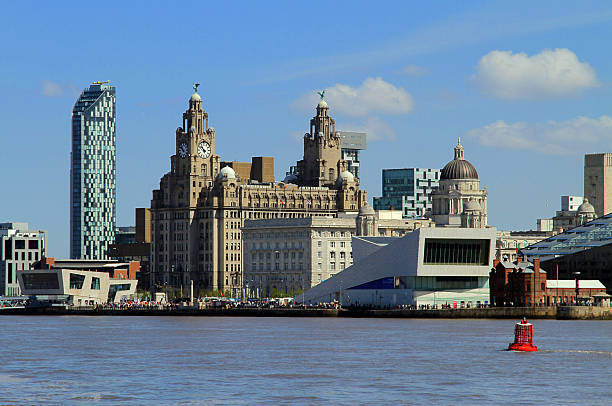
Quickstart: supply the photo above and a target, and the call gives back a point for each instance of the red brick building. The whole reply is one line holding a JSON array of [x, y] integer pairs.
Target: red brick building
[[522, 283]]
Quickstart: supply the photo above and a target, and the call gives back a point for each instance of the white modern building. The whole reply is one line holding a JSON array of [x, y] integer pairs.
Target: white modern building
[[80, 287], [20, 247], [430, 266], [571, 203]]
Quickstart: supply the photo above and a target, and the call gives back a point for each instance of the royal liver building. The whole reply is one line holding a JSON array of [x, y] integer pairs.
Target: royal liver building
[[200, 206]]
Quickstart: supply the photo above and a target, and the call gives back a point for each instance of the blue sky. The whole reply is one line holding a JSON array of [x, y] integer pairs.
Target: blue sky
[[525, 84]]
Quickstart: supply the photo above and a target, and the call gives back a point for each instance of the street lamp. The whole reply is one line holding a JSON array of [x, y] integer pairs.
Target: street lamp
[[577, 276]]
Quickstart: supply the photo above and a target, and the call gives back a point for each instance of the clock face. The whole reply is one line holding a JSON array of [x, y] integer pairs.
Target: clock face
[[204, 149], [182, 150]]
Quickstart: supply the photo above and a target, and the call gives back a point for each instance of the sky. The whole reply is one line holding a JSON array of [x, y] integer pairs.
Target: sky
[[526, 85]]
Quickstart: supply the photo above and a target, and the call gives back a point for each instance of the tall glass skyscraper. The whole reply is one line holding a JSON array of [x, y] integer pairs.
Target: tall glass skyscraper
[[92, 173]]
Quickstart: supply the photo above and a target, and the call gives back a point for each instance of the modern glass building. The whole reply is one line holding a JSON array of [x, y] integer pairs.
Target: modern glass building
[[583, 252], [407, 190], [93, 173]]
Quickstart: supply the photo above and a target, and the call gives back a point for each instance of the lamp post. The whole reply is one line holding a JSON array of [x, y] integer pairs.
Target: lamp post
[[577, 276]]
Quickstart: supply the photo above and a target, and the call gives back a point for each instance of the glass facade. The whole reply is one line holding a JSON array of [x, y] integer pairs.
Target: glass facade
[[592, 234], [456, 252], [427, 283], [407, 189], [93, 173]]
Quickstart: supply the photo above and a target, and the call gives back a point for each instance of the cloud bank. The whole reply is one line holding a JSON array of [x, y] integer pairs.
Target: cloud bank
[[552, 137], [549, 74], [373, 96]]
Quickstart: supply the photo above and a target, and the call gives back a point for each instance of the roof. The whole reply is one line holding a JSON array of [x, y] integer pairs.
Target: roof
[[571, 284], [459, 169], [595, 233]]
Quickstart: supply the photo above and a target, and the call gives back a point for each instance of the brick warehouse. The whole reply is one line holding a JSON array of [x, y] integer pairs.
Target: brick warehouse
[[522, 283]]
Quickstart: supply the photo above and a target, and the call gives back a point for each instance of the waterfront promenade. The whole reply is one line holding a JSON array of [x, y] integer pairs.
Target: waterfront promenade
[[541, 312]]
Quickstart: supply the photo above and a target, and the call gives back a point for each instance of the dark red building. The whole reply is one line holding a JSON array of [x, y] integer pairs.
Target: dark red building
[[522, 283]]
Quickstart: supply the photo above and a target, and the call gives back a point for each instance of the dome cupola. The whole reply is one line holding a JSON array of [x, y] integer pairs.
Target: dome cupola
[[459, 168]]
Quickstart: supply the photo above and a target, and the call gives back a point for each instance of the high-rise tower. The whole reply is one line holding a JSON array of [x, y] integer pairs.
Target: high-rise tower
[[92, 173], [598, 182]]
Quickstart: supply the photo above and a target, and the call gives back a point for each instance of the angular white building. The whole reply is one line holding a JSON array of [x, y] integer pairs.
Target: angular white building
[[430, 266]]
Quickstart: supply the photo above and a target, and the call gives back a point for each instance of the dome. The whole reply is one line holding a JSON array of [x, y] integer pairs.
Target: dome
[[586, 207], [195, 97], [322, 103], [345, 176], [226, 173], [472, 205], [458, 168], [366, 210], [290, 178]]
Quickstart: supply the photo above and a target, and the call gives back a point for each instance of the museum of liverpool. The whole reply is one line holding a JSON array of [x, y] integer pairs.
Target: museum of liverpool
[[430, 266]]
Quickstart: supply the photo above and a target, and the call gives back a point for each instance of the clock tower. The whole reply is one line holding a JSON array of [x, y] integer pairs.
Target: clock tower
[[195, 144]]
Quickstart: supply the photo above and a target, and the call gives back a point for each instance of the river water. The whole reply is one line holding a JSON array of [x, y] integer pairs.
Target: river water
[[264, 361]]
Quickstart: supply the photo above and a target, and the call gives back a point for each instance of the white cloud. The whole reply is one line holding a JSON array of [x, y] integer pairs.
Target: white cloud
[[551, 73], [552, 137], [375, 128], [51, 89], [373, 96], [414, 70], [57, 89]]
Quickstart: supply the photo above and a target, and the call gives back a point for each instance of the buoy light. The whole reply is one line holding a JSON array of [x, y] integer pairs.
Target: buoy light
[[523, 337]]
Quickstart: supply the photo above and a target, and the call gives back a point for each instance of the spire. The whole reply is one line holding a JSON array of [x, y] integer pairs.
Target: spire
[[459, 150]]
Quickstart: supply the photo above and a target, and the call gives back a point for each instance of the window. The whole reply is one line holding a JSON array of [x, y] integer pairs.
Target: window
[[319, 244], [332, 244], [40, 281], [332, 254], [332, 266], [95, 283], [76, 281], [456, 251]]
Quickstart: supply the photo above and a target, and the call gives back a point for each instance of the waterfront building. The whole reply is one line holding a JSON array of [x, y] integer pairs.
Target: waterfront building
[[289, 255], [20, 247], [598, 182], [430, 266], [93, 173], [544, 225], [522, 283], [80, 282], [200, 207], [459, 201], [571, 203], [408, 190], [509, 243], [352, 144], [584, 251], [566, 220], [134, 244]]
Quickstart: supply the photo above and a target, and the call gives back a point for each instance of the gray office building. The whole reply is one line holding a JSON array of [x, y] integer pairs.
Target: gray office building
[[352, 143], [407, 190], [19, 249], [93, 173]]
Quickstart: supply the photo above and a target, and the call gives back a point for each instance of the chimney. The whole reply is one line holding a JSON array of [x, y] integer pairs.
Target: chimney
[[536, 264], [495, 262], [519, 260]]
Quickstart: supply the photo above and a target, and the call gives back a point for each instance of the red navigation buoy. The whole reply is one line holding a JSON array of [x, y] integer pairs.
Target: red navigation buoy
[[523, 336]]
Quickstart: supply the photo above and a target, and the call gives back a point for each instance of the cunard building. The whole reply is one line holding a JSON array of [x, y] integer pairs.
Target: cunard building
[[200, 206]]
